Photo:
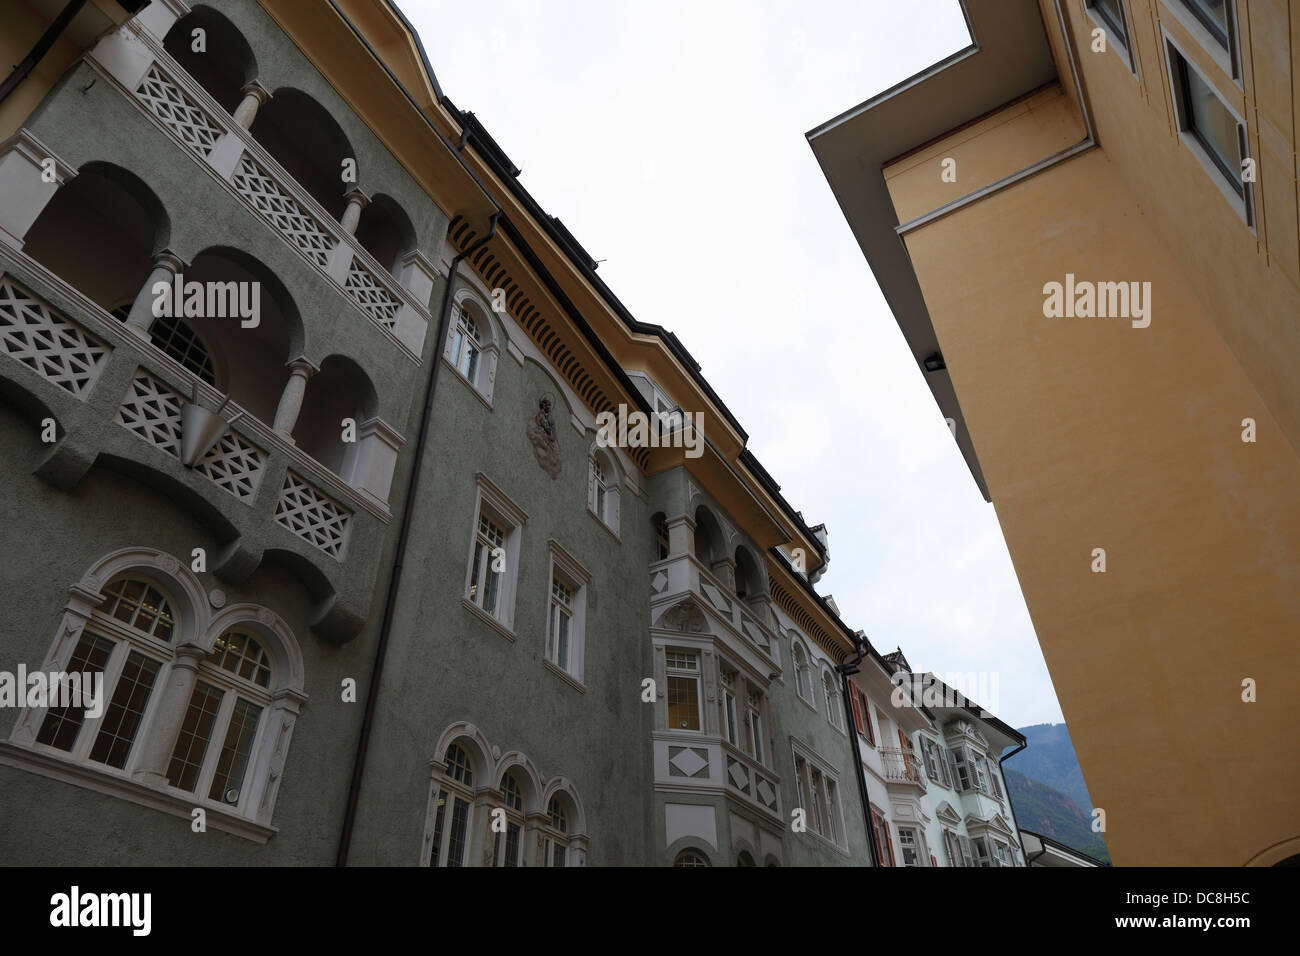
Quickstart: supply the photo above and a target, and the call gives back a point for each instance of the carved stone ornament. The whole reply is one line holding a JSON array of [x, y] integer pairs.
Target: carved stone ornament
[[686, 616], [167, 563], [545, 442]]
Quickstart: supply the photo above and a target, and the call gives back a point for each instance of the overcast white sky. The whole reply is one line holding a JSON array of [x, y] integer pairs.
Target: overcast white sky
[[669, 137]]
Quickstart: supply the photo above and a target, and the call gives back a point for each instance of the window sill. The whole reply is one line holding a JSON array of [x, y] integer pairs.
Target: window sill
[[565, 676], [46, 765], [488, 619]]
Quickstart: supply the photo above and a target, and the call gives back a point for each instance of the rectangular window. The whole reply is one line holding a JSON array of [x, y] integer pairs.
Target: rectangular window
[[981, 851], [456, 838], [488, 567], [1111, 15], [559, 630], [815, 818], [683, 690], [1000, 853], [754, 714], [1215, 16], [1212, 132], [866, 720], [967, 854], [962, 768], [907, 847], [729, 725], [981, 775], [439, 818], [951, 848], [61, 725]]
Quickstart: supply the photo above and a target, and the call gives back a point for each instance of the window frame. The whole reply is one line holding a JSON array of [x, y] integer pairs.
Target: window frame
[[1225, 50], [470, 302], [1240, 194], [833, 715], [490, 500], [678, 672], [564, 567], [603, 489], [1119, 36], [818, 782]]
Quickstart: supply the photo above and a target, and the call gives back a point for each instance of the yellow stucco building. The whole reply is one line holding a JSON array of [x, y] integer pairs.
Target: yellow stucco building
[[1086, 226]]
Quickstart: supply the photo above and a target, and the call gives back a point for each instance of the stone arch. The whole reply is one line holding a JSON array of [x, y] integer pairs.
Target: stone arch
[[306, 140], [385, 231], [226, 65]]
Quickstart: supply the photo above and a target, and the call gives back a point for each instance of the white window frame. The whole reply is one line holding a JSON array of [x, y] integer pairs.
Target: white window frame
[[440, 843], [490, 500], [917, 847], [1242, 203], [514, 817], [565, 568], [603, 500], [483, 378], [1123, 45], [728, 679], [754, 723], [802, 673], [833, 717]]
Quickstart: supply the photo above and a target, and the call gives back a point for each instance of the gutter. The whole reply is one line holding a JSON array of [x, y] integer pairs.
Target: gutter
[[399, 558], [1088, 142], [1011, 802]]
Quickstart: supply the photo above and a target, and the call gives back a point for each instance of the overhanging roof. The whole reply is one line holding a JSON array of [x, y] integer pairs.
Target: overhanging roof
[[1008, 57]]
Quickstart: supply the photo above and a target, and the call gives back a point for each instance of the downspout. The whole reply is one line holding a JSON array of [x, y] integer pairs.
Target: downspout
[[42, 47], [399, 558], [845, 669], [1012, 803], [1088, 142]]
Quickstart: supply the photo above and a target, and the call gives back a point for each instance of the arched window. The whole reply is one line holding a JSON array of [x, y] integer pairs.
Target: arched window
[[178, 340], [748, 580], [143, 639], [708, 537], [454, 806], [602, 488], [466, 344], [832, 701], [555, 847], [691, 858], [802, 677], [743, 858], [125, 645], [507, 846], [222, 721]]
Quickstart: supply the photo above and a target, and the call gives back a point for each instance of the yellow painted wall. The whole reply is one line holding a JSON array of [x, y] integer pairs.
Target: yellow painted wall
[[1095, 434]]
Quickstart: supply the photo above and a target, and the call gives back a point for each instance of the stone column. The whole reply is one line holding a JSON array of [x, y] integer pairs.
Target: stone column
[[357, 201], [166, 264], [255, 94], [286, 413], [681, 533], [151, 770]]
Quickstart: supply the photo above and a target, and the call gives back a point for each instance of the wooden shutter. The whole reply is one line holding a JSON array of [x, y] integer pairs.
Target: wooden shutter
[[967, 854], [857, 711], [866, 721]]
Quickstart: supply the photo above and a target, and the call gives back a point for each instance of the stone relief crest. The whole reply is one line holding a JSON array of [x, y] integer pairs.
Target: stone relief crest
[[545, 442], [685, 616]]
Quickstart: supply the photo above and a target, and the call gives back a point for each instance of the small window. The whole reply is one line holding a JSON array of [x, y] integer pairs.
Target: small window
[[661, 537], [507, 847], [981, 852], [819, 799], [1110, 16], [602, 489], [567, 613], [730, 727], [802, 676], [683, 673], [1212, 132], [884, 844], [466, 345], [560, 632], [1000, 854], [494, 555], [691, 858], [832, 701], [454, 804], [743, 858], [908, 847], [962, 767], [1216, 17], [487, 572], [754, 722]]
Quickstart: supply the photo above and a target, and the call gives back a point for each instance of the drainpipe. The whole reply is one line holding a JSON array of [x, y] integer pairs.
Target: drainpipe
[[1011, 803], [845, 669], [399, 558], [42, 47]]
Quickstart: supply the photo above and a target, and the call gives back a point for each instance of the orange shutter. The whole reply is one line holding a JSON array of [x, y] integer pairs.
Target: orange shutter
[[857, 710]]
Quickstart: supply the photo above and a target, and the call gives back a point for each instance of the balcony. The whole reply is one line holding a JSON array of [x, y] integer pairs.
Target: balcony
[[680, 575], [119, 404], [393, 298], [902, 767]]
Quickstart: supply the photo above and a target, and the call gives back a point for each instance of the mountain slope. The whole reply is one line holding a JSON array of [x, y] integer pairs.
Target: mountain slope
[[1050, 759], [1048, 811]]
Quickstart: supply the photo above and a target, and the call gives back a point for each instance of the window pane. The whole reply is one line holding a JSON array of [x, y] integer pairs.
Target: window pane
[[243, 655], [513, 833], [228, 781], [192, 744], [456, 839], [1214, 127], [683, 704], [437, 827], [122, 718], [61, 724], [1214, 15], [1112, 13]]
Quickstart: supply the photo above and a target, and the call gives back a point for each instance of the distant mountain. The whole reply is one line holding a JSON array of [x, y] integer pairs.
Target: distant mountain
[[1050, 759], [1048, 811]]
